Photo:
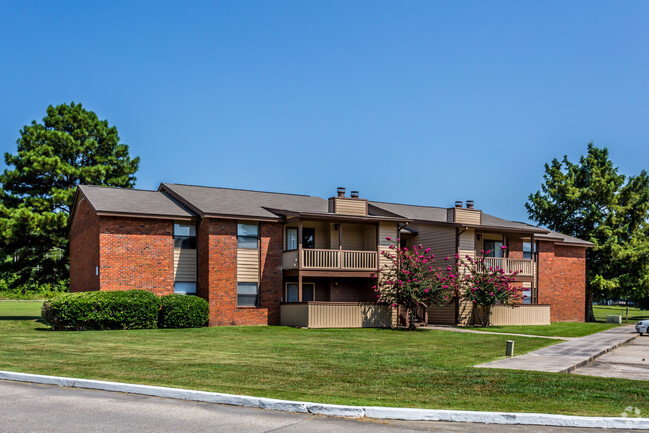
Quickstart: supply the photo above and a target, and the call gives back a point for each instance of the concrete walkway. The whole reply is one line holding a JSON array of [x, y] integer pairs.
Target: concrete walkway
[[475, 331], [565, 357], [630, 361]]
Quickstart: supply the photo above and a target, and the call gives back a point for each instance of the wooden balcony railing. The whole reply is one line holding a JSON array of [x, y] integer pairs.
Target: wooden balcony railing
[[523, 267], [332, 260]]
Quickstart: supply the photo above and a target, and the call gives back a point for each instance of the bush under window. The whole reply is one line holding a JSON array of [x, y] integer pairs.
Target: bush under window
[[183, 311], [130, 309]]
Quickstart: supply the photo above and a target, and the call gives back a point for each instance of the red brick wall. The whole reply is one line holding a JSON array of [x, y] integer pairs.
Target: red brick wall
[[562, 281], [136, 253], [84, 248], [217, 240]]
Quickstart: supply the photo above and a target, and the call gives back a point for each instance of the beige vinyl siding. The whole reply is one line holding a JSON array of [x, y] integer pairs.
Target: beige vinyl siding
[[184, 265], [467, 244], [349, 206], [386, 230], [464, 216], [355, 237], [440, 240], [369, 238], [465, 313], [247, 265], [468, 216]]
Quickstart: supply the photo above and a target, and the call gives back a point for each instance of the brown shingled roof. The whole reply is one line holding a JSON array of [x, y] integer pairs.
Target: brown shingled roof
[[133, 201], [237, 202]]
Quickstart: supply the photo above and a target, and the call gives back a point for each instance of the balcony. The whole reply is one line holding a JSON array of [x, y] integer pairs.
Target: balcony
[[523, 267], [331, 260]]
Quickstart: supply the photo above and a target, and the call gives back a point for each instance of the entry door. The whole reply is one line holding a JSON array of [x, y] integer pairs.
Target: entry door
[[292, 292]]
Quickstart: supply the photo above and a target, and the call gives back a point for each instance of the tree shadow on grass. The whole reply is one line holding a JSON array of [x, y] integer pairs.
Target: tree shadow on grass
[[36, 318]]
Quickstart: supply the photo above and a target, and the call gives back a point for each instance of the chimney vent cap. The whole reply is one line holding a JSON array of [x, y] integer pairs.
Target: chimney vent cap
[[459, 203], [341, 191], [354, 194], [469, 204]]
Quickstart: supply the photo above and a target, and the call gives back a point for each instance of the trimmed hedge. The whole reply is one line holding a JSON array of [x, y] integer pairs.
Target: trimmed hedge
[[183, 311], [130, 309]]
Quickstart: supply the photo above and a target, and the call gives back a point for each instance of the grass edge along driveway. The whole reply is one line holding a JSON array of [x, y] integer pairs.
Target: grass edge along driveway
[[424, 369]]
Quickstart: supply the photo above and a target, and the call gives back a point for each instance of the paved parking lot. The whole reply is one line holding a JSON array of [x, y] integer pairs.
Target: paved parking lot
[[630, 361]]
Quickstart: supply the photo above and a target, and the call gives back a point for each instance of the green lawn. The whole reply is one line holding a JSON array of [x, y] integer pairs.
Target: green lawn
[[428, 369], [635, 314], [556, 329]]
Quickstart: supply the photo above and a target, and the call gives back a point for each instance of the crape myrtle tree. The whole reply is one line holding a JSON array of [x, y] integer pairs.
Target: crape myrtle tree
[[412, 280], [71, 146], [485, 286], [591, 200]]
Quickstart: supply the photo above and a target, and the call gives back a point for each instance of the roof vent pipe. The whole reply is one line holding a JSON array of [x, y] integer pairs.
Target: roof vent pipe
[[354, 194], [341, 191], [458, 203], [469, 204]]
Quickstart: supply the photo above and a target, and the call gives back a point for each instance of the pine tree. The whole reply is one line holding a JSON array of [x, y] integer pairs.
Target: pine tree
[[70, 147]]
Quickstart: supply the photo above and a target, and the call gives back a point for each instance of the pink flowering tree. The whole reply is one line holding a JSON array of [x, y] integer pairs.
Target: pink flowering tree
[[486, 286], [412, 280]]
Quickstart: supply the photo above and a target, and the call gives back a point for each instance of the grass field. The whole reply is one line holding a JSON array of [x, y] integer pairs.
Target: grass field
[[635, 314], [557, 329], [428, 369]]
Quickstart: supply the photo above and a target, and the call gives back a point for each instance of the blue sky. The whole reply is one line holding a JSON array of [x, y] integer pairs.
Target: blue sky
[[421, 102]]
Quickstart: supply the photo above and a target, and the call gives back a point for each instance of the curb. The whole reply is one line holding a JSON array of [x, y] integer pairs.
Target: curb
[[597, 355], [337, 410]]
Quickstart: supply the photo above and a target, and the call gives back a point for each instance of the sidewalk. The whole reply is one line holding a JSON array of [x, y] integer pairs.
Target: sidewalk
[[565, 357]]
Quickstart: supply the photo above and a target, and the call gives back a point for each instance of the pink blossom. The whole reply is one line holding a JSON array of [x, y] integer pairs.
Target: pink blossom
[[388, 238]]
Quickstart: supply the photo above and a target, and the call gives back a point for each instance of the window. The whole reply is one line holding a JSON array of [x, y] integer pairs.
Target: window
[[247, 295], [292, 292], [291, 238], [185, 288], [495, 248], [185, 236], [308, 238], [248, 235], [527, 250]]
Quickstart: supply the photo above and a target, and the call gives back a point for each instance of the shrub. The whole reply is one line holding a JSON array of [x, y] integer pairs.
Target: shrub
[[183, 311], [131, 309]]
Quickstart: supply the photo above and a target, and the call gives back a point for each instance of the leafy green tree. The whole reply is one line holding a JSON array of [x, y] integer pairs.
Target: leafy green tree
[[71, 146], [591, 200]]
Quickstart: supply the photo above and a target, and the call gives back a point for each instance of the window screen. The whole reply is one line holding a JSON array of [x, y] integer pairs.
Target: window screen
[[247, 295]]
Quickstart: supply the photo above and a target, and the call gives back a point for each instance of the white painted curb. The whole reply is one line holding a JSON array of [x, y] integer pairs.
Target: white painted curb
[[338, 410]]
